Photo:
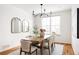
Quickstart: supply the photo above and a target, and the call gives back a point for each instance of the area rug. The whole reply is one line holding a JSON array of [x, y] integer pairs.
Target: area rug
[[58, 50]]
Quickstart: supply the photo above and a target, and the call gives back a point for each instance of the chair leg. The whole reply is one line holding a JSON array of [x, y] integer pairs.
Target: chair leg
[[20, 51], [49, 48], [36, 51], [49, 51], [41, 51], [25, 53]]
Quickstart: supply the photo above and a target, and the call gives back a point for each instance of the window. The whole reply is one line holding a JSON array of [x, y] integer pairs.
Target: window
[[51, 24]]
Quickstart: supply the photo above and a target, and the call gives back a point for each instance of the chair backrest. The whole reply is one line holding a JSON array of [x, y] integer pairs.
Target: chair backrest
[[52, 38], [25, 45], [53, 35]]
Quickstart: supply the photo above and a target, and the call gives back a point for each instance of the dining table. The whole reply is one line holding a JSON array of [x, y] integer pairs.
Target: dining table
[[38, 40]]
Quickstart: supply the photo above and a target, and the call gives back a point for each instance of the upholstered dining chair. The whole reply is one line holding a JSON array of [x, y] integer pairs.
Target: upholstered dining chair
[[48, 44], [39, 44], [26, 47]]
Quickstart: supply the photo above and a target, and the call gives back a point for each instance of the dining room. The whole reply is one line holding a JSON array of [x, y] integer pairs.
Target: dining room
[[47, 29]]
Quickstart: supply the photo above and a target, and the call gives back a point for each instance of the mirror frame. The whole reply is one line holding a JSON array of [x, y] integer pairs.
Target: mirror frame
[[21, 26], [25, 26], [13, 28]]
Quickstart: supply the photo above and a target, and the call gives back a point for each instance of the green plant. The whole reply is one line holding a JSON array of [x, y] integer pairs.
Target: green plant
[[35, 30]]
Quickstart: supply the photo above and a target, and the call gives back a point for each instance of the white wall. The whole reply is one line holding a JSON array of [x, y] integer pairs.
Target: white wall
[[8, 39], [75, 41], [65, 25]]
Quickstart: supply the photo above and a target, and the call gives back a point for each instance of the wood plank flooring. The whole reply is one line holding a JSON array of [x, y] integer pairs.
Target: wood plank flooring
[[9, 50], [67, 50]]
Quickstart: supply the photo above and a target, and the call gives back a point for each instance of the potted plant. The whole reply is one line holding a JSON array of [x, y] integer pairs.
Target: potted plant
[[35, 31]]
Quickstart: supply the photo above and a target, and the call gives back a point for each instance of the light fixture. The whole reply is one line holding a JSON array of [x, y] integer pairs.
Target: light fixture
[[42, 12]]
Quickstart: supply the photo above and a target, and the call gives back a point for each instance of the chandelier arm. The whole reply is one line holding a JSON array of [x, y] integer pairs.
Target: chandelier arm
[[41, 13]]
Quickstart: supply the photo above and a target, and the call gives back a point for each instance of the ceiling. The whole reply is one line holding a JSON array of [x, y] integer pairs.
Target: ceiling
[[48, 7]]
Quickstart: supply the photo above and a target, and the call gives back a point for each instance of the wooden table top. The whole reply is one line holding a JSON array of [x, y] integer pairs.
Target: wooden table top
[[37, 39]]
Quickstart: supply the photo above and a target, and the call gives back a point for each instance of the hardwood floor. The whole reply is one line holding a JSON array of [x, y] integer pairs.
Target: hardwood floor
[[9, 51], [67, 50]]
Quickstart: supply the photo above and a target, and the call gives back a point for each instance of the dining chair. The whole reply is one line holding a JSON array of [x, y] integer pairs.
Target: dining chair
[[39, 44], [47, 44], [26, 47]]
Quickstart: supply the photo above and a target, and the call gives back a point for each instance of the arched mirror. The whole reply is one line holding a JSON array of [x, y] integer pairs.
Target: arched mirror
[[16, 25], [25, 26]]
